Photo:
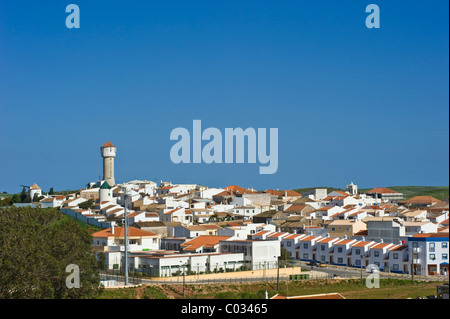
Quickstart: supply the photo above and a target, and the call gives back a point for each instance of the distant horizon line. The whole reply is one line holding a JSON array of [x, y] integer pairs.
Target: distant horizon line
[[307, 187]]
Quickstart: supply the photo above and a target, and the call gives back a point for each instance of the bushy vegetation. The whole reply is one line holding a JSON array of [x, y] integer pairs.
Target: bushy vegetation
[[36, 246]]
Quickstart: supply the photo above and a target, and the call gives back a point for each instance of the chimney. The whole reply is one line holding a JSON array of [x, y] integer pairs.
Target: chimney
[[381, 240], [295, 231], [345, 237], [112, 228], [363, 239]]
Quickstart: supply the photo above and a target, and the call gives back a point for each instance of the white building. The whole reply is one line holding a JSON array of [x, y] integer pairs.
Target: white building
[[360, 253], [325, 249], [52, 201], [429, 254], [246, 211], [179, 214], [342, 251], [307, 248], [34, 190], [379, 255], [111, 241], [258, 254]]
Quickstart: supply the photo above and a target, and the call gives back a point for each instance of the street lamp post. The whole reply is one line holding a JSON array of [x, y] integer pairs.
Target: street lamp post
[[126, 238], [184, 282], [361, 268], [278, 272]]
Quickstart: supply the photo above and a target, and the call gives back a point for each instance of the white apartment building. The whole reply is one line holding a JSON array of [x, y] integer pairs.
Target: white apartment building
[[342, 251], [325, 249], [429, 254]]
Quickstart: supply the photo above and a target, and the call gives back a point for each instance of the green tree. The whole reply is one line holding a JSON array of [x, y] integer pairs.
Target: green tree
[[87, 204], [23, 195], [27, 199], [36, 246], [37, 198], [285, 255], [16, 199], [51, 192]]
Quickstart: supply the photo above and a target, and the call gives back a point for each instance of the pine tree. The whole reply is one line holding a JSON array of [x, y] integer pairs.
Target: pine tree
[[23, 195]]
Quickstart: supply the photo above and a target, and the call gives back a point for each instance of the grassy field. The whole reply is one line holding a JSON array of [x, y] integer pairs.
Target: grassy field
[[350, 289], [439, 192]]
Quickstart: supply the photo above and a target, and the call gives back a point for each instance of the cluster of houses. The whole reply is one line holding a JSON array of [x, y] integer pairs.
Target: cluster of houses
[[176, 227]]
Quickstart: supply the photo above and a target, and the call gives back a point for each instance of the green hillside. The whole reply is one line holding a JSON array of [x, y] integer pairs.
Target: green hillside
[[439, 192]]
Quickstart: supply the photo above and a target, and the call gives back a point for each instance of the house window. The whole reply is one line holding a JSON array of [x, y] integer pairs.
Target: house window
[[444, 256], [322, 247], [376, 253], [444, 245], [358, 262], [396, 256], [432, 245], [305, 246], [305, 256], [347, 228], [333, 229], [358, 252], [395, 267], [415, 245], [340, 260], [322, 258], [288, 244], [339, 249], [432, 256]]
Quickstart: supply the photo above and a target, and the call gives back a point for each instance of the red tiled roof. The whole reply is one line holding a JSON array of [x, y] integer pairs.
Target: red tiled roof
[[327, 240], [203, 241], [343, 242], [276, 234], [381, 190], [290, 193], [293, 236], [362, 243], [309, 238], [380, 246], [120, 232], [108, 144], [274, 192], [431, 235], [172, 211], [235, 188]]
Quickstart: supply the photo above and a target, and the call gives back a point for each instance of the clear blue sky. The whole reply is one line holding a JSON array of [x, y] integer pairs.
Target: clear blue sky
[[351, 103]]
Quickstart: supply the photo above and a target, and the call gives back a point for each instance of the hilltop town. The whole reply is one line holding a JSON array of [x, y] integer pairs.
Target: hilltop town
[[189, 227]]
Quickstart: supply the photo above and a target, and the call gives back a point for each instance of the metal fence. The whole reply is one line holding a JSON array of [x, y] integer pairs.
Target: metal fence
[[116, 277]]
